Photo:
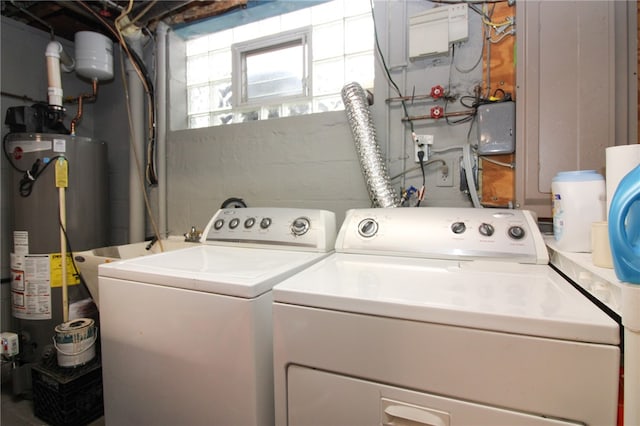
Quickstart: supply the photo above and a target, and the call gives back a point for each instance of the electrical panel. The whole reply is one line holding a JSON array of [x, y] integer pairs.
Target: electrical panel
[[432, 32], [496, 128]]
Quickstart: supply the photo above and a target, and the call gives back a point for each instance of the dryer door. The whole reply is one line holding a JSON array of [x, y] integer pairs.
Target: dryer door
[[320, 398]]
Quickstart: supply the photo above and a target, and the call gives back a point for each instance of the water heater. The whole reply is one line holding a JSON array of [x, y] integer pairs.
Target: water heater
[[36, 261]]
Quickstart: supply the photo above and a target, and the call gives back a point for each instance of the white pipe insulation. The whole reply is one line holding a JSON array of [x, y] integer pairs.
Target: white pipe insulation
[[56, 58], [137, 151], [161, 125]]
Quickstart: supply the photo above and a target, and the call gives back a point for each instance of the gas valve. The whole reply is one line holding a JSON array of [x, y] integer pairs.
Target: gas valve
[[437, 112], [437, 91]]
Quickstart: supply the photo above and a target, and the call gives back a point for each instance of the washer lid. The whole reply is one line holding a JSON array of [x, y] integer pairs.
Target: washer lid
[[241, 272], [506, 297]]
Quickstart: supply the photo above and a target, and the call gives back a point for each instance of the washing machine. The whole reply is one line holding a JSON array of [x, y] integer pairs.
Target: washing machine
[[186, 335], [441, 316]]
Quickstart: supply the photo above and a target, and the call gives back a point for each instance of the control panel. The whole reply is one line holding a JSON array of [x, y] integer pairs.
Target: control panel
[[444, 233], [272, 226]]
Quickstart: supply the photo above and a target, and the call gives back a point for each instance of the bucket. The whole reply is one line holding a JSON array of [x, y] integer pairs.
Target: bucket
[[75, 342]]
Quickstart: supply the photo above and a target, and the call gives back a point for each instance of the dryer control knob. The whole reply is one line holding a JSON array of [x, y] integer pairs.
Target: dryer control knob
[[218, 224], [234, 223], [368, 228], [300, 226], [249, 222]]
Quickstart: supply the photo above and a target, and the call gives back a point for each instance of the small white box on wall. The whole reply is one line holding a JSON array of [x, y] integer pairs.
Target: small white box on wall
[[431, 32]]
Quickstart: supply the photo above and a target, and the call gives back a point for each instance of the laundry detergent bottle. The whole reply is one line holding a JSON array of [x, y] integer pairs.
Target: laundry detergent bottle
[[624, 228]]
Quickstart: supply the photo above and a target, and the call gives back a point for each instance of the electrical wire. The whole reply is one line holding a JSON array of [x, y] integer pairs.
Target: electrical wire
[[426, 163], [142, 13], [154, 225], [386, 69], [498, 163], [140, 69], [73, 261], [424, 181], [148, 85], [446, 100], [502, 37], [26, 184]]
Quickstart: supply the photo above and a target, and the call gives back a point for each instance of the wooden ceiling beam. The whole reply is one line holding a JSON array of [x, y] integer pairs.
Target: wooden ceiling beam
[[202, 11]]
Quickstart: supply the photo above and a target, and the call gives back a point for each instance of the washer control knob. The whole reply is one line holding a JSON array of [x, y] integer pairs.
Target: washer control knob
[[234, 223], [265, 223], [218, 224], [300, 226], [516, 232], [458, 227], [250, 222], [368, 228], [486, 229]]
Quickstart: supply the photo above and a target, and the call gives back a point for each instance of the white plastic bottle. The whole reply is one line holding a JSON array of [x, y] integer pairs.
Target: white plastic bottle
[[579, 199]]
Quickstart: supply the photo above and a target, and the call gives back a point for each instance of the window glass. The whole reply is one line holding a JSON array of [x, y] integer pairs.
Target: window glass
[[360, 68], [328, 40], [329, 76], [275, 72], [199, 97], [361, 30], [292, 64]]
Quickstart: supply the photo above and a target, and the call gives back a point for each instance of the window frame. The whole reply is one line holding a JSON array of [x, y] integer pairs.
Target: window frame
[[240, 50]]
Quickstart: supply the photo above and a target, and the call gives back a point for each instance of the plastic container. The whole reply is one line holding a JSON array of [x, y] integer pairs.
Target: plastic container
[[579, 199], [67, 396], [94, 55], [624, 228]]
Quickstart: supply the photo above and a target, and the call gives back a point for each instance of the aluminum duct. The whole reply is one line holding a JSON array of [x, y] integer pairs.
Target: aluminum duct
[[372, 164]]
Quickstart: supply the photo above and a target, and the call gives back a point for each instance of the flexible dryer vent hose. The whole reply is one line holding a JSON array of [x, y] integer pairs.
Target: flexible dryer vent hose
[[372, 164]]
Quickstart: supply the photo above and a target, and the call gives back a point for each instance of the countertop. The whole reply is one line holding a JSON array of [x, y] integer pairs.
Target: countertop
[[601, 283]]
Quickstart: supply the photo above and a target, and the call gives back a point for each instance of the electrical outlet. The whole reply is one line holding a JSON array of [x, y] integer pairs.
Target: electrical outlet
[[444, 175], [425, 141]]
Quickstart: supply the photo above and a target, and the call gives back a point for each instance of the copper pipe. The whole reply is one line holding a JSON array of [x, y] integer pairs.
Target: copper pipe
[[77, 117], [446, 114], [89, 97]]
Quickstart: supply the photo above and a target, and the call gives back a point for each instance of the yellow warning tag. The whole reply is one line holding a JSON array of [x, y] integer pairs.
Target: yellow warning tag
[[55, 268], [62, 173]]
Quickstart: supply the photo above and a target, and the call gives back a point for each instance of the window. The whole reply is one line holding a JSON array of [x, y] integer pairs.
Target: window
[[272, 68], [291, 64]]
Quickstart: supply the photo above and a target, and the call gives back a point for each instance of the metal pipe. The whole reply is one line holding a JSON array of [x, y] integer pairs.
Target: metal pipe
[[136, 167], [89, 97], [161, 125], [446, 114]]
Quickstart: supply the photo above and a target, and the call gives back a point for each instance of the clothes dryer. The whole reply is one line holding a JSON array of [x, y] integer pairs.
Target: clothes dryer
[[441, 316], [186, 335]]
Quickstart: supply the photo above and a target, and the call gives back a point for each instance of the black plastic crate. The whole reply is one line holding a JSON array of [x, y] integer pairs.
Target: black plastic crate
[[67, 396]]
